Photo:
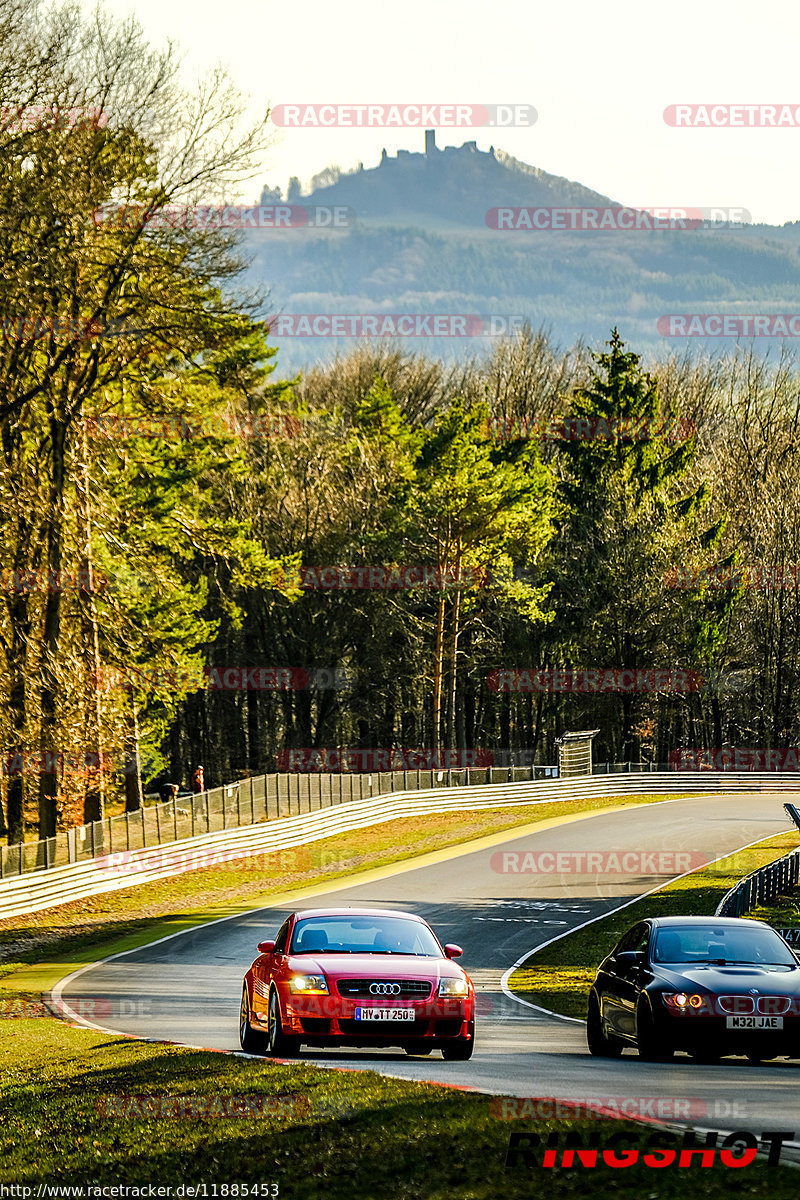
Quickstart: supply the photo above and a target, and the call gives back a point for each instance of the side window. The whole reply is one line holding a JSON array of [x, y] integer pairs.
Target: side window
[[283, 934], [635, 939], [643, 937]]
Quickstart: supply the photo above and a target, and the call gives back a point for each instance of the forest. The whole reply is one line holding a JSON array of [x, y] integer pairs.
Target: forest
[[386, 555]]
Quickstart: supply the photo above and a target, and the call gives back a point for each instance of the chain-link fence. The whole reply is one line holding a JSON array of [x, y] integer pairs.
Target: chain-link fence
[[248, 802]]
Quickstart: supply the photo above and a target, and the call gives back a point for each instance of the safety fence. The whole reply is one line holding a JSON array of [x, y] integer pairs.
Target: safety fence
[[247, 802], [761, 886], [125, 866]]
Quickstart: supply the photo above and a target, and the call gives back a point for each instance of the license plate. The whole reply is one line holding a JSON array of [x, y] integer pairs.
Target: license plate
[[754, 1022], [385, 1014]]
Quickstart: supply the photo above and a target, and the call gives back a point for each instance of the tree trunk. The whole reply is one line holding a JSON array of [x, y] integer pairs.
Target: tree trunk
[[94, 797], [48, 787], [133, 778]]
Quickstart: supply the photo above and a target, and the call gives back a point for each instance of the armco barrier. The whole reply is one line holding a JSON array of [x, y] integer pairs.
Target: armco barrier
[[75, 881], [761, 886], [246, 802]]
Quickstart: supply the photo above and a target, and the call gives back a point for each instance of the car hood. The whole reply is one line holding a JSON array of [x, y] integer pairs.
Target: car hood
[[734, 979], [375, 966]]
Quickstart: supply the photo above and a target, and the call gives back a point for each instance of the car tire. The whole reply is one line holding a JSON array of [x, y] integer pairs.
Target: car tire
[[250, 1040], [281, 1045], [461, 1051], [650, 1046], [600, 1044]]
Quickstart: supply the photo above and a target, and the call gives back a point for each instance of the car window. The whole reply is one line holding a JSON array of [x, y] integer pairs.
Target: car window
[[721, 943], [363, 935], [635, 939], [280, 940]]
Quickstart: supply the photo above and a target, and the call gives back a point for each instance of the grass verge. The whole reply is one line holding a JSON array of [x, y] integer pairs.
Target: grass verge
[[561, 974], [341, 1135]]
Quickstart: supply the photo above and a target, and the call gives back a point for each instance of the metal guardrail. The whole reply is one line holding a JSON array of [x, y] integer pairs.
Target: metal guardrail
[[246, 802], [761, 886], [123, 867]]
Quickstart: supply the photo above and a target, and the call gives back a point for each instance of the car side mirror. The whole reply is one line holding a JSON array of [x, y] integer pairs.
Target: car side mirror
[[452, 950], [266, 947], [629, 958]]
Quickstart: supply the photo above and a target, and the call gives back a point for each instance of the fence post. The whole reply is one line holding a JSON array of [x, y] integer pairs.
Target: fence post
[[253, 798], [175, 816], [158, 824], [144, 827]]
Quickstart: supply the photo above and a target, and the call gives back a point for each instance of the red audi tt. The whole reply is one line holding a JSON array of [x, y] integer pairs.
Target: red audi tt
[[357, 977]]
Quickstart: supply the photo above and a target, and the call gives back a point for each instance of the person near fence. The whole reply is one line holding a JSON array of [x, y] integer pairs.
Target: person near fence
[[198, 781]]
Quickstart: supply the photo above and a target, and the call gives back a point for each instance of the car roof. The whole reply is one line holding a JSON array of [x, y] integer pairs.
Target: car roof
[[734, 922], [358, 912]]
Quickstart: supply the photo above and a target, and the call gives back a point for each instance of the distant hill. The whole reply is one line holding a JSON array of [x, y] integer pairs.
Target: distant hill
[[420, 244]]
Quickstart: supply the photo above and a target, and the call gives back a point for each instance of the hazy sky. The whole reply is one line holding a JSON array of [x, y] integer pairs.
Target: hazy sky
[[598, 75]]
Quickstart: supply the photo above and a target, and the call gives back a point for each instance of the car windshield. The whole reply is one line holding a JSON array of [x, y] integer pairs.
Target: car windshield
[[363, 935], [721, 945]]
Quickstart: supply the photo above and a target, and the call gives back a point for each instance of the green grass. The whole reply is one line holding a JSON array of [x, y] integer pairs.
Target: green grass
[[560, 976], [76, 933], [341, 1135]]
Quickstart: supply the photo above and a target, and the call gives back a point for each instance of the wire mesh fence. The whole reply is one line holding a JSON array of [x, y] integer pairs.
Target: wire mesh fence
[[247, 802]]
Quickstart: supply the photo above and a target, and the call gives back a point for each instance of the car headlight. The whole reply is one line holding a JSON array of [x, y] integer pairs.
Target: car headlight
[[453, 986], [684, 1001], [309, 985]]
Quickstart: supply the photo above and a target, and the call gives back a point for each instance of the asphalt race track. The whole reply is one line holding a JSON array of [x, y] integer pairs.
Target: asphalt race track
[[187, 988]]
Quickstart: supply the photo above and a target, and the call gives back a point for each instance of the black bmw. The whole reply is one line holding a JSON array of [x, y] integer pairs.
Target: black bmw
[[707, 985]]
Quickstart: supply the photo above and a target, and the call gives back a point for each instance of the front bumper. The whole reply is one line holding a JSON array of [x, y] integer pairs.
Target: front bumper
[[711, 1033], [328, 1020]]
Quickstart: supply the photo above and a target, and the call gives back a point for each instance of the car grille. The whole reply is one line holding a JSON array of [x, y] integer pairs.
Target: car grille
[[384, 989], [771, 1006], [737, 1005]]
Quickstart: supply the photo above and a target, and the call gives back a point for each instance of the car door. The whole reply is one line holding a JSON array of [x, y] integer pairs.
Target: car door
[[622, 982], [270, 965], [630, 975]]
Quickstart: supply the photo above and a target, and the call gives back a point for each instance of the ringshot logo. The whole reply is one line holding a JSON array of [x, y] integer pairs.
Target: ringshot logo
[[402, 116], [659, 1149]]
